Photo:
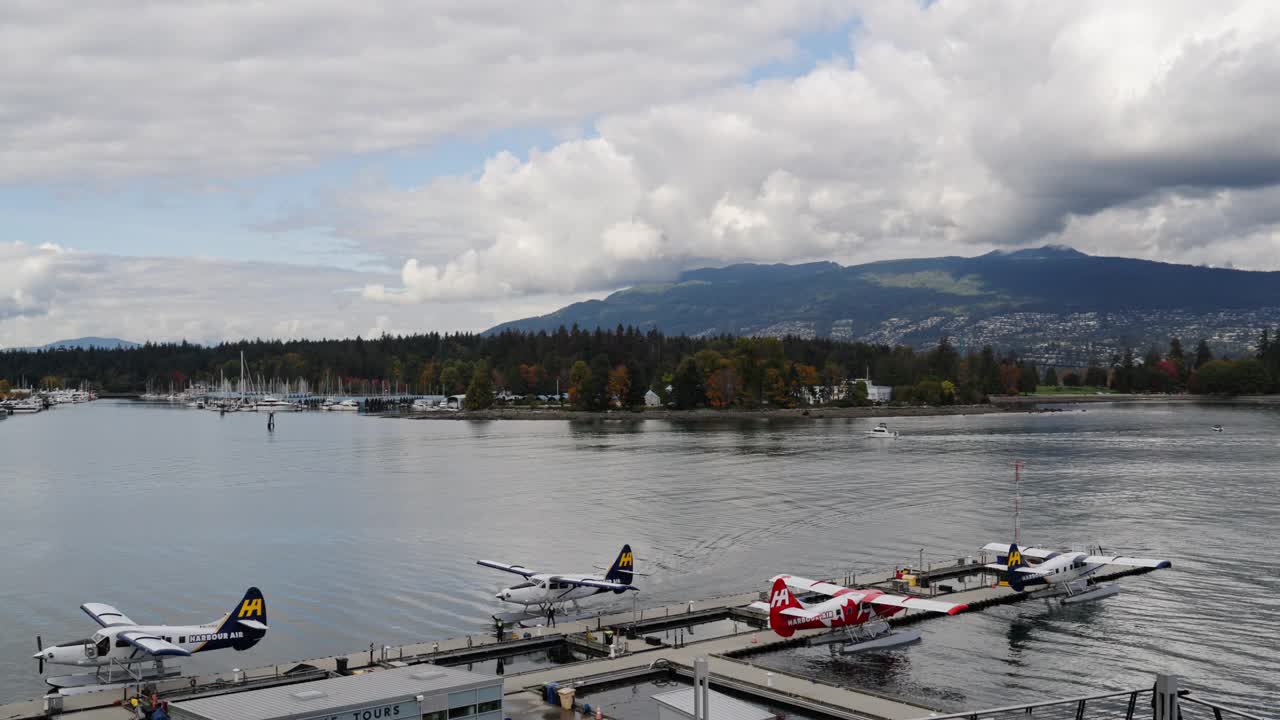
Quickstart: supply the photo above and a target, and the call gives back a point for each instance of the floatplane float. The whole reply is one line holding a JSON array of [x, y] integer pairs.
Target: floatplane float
[[123, 652]]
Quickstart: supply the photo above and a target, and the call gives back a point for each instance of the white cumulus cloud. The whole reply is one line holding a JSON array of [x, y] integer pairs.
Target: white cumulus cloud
[[958, 127]]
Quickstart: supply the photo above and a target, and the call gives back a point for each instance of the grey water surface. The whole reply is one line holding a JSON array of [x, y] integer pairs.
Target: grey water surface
[[366, 530]]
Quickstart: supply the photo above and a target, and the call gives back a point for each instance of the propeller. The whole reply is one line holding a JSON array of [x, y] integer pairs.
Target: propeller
[[40, 653]]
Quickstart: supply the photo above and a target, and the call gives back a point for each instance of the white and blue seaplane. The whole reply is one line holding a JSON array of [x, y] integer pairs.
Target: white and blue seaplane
[[543, 595], [1065, 576], [122, 651]]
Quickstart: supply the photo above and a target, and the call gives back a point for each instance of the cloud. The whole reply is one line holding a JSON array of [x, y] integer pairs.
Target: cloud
[[958, 127], [48, 293], [95, 90]]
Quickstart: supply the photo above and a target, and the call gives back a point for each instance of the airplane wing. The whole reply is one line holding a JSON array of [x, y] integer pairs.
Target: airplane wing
[[591, 582], [151, 644], [799, 584], [517, 569], [912, 603], [805, 585], [1127, 561], [1031, 552], [105, 615]]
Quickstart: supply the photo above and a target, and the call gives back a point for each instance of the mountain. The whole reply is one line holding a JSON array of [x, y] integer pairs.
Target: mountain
[[1053, 304], [90, 342]]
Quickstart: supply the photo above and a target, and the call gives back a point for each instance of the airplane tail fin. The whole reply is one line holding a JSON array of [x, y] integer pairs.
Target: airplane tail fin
[[623, 568], [1012, 563], [780, 598], [244, 626]]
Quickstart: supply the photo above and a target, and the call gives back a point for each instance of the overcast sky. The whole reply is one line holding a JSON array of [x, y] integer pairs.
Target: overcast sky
[[330, 168]]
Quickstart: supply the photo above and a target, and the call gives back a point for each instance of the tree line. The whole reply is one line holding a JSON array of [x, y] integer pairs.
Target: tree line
[[599, 368]]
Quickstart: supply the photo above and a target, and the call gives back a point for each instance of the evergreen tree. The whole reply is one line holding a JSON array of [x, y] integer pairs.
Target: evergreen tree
[[596, 389], [480, 392], [1051, 377], [686, 387], [1176, 354], [989, 372], [1203, 354], [1095, 376], [1122, 381], [1028, 379]]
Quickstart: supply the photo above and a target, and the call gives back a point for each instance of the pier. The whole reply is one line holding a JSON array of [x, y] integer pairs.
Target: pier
[[634, 658]]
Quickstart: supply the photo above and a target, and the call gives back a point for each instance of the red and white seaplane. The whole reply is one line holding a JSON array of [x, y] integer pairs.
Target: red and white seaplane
[[861, 613]]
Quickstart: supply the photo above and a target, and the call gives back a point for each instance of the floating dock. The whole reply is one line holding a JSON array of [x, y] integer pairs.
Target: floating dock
[[640, 657]]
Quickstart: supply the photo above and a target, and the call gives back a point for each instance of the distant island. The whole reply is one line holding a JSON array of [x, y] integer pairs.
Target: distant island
[[85, 343], [1052, 305]]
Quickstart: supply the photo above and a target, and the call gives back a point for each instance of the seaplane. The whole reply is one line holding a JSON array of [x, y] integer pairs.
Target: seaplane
[[545, 594], [861, 613], [1062, 575], [121, 648]]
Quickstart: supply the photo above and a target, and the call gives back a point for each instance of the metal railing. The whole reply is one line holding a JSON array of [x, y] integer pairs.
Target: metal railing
[[1162, 702]]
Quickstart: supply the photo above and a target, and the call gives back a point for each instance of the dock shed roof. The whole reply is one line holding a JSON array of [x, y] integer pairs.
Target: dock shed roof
[[722, 707], [332, 696]]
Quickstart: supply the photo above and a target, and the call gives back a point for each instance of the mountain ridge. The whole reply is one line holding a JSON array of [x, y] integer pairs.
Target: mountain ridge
[[1052, 302]]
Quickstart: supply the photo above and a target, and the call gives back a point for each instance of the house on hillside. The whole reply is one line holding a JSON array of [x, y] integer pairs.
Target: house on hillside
[[651, 399]]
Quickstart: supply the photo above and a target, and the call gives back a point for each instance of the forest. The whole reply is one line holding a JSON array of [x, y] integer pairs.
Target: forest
[[599, 369]]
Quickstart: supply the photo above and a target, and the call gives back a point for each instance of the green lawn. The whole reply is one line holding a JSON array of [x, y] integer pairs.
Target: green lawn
[[1063, 390]]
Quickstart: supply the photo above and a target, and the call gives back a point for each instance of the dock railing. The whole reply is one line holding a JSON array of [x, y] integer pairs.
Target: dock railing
[[1163, 701]]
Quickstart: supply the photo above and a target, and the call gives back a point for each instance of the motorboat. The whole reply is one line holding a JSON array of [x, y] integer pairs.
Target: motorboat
[[1217, 428], [339, 406], [270, 403], [882, 431], [423, 405], [30, 405]]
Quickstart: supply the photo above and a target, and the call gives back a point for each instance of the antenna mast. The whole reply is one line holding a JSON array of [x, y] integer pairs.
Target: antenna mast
[[1017, 500]]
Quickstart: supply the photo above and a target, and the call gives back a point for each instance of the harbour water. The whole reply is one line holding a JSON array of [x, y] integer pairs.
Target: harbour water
[[363, 530]]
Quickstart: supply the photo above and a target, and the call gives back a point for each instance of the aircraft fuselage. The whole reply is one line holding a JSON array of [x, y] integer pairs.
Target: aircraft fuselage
[[104, 647], [543, 591]]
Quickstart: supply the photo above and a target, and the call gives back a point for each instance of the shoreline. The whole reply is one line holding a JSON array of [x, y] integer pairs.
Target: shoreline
[[998, 404], [703, 414]]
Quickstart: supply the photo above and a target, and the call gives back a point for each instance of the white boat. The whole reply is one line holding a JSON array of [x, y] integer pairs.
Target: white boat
[[30, 405], [269, 403], [343, 406], [882, 431], [423, 405], [1217, 428]]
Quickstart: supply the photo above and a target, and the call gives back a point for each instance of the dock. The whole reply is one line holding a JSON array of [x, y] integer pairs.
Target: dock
[[728, 657]]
